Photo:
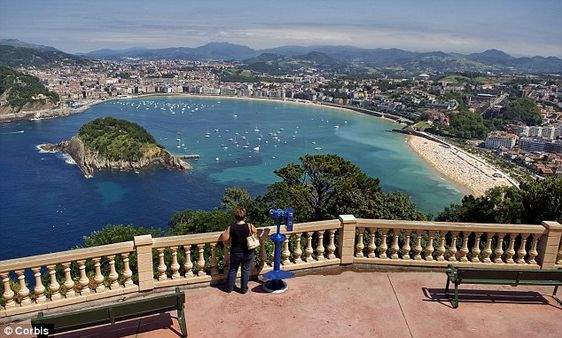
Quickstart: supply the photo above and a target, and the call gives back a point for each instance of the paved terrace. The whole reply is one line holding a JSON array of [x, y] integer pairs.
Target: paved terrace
[[353, 304]]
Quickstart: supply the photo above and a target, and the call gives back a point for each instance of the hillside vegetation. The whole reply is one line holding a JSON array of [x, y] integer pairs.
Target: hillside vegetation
[[18, 90], [119, 140]]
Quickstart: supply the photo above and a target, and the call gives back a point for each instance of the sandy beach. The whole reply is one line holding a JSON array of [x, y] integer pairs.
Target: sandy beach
[[465, 170]]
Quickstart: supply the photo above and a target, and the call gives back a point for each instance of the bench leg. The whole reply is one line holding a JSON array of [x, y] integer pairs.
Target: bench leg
[[455, 300], [181, 321], [555, 290]]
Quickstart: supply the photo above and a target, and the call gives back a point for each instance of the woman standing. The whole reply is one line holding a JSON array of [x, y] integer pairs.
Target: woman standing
[[240, 254]]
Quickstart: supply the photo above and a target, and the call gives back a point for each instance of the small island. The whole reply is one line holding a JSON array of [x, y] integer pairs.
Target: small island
[[114, 144]]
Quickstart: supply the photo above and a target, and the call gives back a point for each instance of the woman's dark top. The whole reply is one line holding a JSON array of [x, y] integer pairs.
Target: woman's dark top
[[238, 237]]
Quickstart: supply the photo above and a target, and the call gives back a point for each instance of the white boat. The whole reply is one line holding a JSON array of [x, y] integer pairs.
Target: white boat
[[257, 148], [318, 148]]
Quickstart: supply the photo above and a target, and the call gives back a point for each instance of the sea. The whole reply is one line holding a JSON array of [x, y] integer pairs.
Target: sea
[[47, 205]]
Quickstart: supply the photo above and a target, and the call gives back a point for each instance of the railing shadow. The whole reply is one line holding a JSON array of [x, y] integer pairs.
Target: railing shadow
[[130, 327], [486, 296]]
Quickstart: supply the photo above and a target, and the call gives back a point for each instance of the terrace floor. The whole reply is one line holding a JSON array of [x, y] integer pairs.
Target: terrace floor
[[351, 304]]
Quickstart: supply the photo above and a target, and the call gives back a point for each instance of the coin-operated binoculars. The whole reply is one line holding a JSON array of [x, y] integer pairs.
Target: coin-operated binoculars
[[274, 279]]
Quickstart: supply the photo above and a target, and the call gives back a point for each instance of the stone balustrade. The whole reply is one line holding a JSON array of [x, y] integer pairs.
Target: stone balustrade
[[442, 243], [48, 281]]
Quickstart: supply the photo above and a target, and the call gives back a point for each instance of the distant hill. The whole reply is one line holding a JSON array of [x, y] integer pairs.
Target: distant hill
[[210, 51], [15, 53], [489, 60], [19, 91]]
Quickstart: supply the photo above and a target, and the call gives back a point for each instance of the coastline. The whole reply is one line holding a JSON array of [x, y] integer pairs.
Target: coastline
[[467, 173], [61, 112]]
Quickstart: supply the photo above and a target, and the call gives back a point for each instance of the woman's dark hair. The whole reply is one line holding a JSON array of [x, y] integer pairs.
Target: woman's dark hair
[[239, 214]]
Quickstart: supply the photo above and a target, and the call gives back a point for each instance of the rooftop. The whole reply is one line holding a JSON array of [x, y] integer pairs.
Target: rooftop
[[351, 304]]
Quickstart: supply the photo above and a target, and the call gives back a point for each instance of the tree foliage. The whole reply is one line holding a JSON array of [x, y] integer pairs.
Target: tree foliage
[[534, 202], [118, 233], [21, 89], [117, 139]]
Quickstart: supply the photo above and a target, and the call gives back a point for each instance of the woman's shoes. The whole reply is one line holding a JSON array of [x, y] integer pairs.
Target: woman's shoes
[[243, 291]]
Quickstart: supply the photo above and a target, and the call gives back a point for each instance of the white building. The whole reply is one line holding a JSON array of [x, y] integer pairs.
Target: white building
[[496, 140]]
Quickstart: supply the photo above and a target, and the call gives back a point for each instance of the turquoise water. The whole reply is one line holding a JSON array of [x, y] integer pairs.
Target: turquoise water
[[46, 204]]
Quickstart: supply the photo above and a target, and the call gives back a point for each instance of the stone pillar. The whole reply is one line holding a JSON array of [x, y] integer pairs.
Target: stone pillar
[[143, 247], [550, 245], [346, 243]]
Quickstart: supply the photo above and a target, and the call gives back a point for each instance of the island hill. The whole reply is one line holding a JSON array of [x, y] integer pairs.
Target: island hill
[[110, 143]]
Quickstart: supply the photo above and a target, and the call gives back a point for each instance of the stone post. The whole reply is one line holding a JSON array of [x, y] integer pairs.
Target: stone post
[[143, 246], [550, 245], [346, 247]]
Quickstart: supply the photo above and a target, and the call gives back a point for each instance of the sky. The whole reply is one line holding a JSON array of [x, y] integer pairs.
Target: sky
[[516, 26]]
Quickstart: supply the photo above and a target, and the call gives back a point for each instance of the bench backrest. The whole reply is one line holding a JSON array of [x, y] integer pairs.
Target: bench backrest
[[112, 313], [510, 275]]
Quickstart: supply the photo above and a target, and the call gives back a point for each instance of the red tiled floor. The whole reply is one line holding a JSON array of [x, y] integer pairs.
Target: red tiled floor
[[357, 304]]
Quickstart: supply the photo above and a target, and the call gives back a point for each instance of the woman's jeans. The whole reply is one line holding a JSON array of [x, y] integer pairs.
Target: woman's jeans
[[240, 259]]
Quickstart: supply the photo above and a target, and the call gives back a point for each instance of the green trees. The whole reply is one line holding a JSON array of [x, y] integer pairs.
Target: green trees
[[117, 139], [534, 202], [466, 125], [21, 89], [524, 110]]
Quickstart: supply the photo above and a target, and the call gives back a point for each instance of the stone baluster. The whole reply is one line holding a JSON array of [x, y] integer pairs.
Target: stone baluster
[[559, 261], [418, 247], [214, 263], [498, 252], [98, 278], [533, 251], [332, 245], [463, 253], [372, 246], [39, 289], [175, 266], [394, 248], [320, 247], [406, 247], [54, 285], [453, 247], [84, 281], [8, 294], [23, 292], [522, 252], [113, 275], [487, 252], [201, 260], [297, 254], [308, 251], [226, 256], [127, 273], [429, 249], [475, 253], [511, 249], [264, 261], [441, 248], [384, 246], [188, 265], [161, 265], [286, 253], [359, 246], [68, 282]]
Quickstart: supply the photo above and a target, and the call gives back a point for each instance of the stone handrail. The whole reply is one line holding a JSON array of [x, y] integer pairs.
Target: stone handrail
[[53, 280]]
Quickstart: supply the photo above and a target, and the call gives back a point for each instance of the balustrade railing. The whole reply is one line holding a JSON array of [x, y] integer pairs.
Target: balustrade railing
[[441, 243], [76, 276]]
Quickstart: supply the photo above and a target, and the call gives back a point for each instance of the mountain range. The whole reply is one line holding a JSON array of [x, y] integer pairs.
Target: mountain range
[[14, 52]]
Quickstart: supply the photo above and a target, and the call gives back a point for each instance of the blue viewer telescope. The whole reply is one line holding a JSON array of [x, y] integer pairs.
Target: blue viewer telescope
[[274, 279]]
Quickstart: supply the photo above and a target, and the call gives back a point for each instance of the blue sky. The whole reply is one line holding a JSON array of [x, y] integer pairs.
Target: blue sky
[[515, 26]]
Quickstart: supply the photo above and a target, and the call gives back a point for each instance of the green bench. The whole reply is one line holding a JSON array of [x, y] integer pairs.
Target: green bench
[[513, 277], [71, 321]]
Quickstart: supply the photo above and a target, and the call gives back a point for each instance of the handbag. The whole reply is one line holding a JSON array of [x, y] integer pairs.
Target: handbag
[[252, 241]]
